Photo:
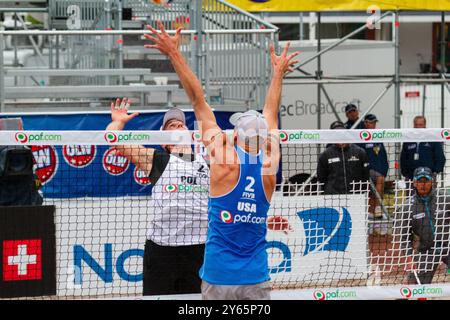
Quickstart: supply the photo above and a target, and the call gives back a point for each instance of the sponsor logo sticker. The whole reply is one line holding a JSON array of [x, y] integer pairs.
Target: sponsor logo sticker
[[226, 216], [45, 162], [79, 156], [114, 163]]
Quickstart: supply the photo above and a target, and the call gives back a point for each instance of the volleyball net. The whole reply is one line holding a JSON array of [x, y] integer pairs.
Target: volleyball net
[[332, 233]]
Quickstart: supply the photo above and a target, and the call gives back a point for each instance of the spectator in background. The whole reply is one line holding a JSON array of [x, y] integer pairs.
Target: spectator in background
[[352, 114], [378, 165], [426, 217], [341, 164], [421, 154]]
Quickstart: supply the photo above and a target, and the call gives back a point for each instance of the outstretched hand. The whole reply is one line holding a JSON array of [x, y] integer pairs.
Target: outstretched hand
[[119, 111], [283, 64], [162, 41]]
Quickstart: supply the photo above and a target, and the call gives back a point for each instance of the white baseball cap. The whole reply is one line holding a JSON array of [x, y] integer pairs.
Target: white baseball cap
[[250, 124], [173, 113]]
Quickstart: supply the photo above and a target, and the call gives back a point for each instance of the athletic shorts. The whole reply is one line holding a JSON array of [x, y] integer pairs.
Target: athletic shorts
[[172, 270], [374, 175], [260, 291]]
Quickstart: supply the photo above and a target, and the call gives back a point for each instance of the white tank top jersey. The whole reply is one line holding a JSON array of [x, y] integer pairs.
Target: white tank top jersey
[[179, 206]]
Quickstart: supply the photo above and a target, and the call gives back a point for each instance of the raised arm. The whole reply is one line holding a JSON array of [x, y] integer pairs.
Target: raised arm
[[169, 45], [281, 65], [140, 156]]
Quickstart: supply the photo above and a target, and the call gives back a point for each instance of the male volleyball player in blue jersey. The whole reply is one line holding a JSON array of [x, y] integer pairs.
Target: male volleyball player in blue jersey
[[243, 177]]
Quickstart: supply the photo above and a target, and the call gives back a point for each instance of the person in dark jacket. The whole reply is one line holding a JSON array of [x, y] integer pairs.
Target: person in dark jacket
[[378, 165], [421, 154], [426, 214], [340, 165], [19, 183], [352, 114]]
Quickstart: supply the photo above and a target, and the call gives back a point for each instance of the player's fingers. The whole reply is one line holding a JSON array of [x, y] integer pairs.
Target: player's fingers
[[117, 103], [272, 53], [292, 67], [271, 49], [286, 48], [134, 115], [149, 27], [124, 102], [150, 37], [292, 55], [151, 46], [161, 27]]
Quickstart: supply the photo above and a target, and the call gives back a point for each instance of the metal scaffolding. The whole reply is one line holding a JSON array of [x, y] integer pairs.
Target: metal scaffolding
[[225, 46], [395, 79]]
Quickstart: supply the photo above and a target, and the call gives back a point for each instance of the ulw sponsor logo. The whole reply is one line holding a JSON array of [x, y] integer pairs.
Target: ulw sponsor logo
[[141, 177], [298, 136], [334, 295], [379, 135], [423, 291], [114, 163], [46, 162], [79, 156]]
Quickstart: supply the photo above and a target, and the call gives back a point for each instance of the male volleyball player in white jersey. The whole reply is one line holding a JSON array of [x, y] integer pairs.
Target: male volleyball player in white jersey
[[243, 178], [177, 228]]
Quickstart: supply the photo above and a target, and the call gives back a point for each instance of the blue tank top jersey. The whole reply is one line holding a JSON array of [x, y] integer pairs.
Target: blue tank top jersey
[[235, 252]]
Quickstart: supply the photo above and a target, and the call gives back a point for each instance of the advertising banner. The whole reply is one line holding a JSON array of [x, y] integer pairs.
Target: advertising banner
[[327, 240], [73, 158], [339, 5], [103, 254]]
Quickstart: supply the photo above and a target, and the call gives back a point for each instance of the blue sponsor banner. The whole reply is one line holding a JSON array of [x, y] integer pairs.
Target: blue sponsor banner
[[94, 171]]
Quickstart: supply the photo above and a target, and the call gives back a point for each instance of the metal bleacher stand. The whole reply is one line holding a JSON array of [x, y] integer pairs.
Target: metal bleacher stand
[[139, 89], [87, 56]]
